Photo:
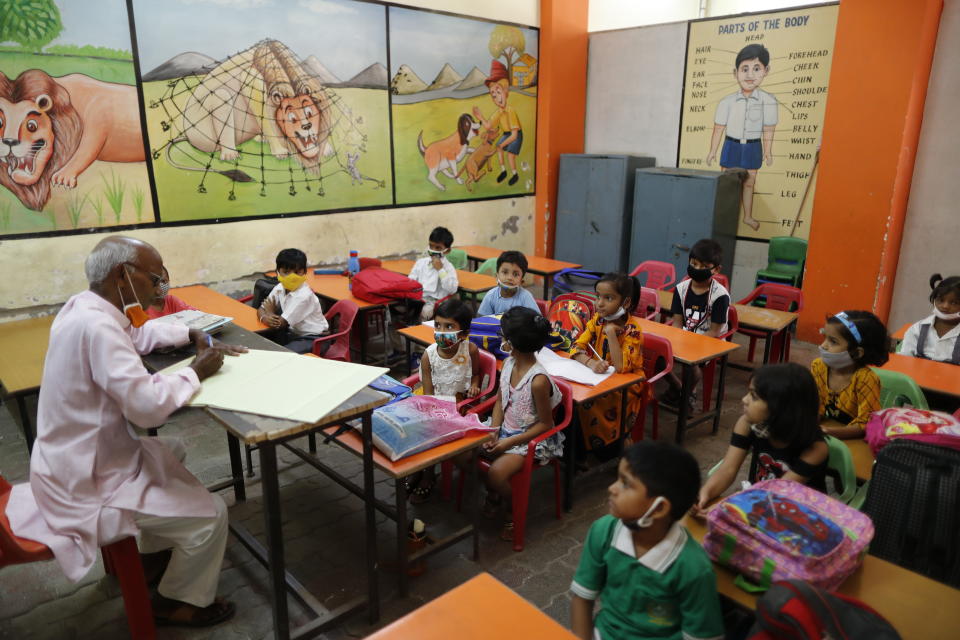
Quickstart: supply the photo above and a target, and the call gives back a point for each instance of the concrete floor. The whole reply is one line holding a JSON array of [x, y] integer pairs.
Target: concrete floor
[[323, 528]]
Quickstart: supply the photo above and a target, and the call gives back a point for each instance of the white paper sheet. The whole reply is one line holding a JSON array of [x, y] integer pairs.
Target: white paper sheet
[[572, 370], [281, 384]]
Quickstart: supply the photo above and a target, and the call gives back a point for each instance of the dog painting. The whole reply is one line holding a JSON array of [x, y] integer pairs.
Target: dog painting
[[477, 163], [445, 154]]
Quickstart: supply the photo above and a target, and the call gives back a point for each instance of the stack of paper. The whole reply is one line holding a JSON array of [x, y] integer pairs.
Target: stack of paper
[[206, 322], [568, 369]]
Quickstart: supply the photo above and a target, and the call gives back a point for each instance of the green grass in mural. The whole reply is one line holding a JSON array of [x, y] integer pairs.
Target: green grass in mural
[[75, 206], [138, 199], [181, 198], [13, 64], [5, 215], [113, 189], [438, 119]]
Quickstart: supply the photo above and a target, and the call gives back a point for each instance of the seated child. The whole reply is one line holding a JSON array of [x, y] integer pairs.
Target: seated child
[[935, 337], [700, 305], [434, 272], [779, 428], [165, 304], [654, 579], [613, 336], [511, 267], [848, 389], [449, 367], [292, 309], [524, 408]]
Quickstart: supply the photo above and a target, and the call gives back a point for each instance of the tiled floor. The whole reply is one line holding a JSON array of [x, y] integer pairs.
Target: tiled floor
[[323, 527]]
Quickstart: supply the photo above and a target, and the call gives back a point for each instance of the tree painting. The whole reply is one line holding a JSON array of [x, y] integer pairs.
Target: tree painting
[[32, 23], [507, 42]]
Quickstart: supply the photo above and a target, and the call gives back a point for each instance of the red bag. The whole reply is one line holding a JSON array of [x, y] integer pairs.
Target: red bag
[[380, 286]]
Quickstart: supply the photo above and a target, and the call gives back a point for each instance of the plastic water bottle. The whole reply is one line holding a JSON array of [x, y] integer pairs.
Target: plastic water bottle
[[353, 267]]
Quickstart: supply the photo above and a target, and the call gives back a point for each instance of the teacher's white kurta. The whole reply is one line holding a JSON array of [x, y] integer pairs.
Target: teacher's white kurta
[[90, 473]]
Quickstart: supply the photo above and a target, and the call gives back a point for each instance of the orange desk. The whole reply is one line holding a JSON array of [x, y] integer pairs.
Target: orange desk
[[545, 267], [467, 281], [918, 607], [691, 350], [901, 332], [481, 608], [206, 299], [23, 347], [942, 377]]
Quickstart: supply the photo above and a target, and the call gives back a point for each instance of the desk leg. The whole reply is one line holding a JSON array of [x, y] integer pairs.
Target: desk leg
[[274, 530], [767, 344], [402, 557], [684, 408], [25, 422], [236, 468], [362, 317], [474, 490], [624, 396], [569, 466], [369, 499], [409, 355], [719, 404]]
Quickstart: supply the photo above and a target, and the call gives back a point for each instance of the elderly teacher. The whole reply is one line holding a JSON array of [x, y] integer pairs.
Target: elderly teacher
[[93, 479]]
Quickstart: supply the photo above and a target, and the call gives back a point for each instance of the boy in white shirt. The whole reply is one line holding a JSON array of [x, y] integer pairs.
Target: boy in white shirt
[[435, 273], [292, 309]]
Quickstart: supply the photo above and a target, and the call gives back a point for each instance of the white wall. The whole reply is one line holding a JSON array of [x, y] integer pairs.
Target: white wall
[[931, 233], [526, 12], [623, 14]]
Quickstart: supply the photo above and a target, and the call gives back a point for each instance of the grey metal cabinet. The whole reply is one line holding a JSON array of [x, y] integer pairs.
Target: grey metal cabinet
[[673, 208], [594, 209]]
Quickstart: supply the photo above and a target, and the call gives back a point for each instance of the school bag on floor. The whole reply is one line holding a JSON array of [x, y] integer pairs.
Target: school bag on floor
[[914, 501], [922, 425], [570, 280], [568, 315], [783, 530], [380, 286], [796, 610]]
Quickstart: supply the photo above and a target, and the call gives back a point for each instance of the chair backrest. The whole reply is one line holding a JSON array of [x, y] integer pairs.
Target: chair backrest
[[898, 389], [733, 323], [565, 406], [648, 306], [660, 275], [488, 380], [840, 461], [779, 297], [458, 258], [718, 277], [786, 253], [657, 357], [488, 266], [343, 312], [543, 305]]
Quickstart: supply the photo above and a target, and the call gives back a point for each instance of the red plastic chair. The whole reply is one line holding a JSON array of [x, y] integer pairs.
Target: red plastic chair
[[657, 362], [120, 558], [520, 482], [488, 380], [340, 348], [733, 324], [719, 277], [648, 306], [660, 275], [245, 299], [544, 306], [779, 297]]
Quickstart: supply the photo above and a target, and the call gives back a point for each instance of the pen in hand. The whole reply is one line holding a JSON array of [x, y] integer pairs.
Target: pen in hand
[[209, 342]]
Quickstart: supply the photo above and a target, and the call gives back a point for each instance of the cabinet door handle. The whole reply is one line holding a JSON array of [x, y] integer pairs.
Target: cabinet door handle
[[681, 247], [596, 229]]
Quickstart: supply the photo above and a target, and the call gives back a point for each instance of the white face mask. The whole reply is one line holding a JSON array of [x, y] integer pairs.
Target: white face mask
[[947, 317], [507, 287], [836, 360], [646, 519], [434, 254], [616, 315], [761, 429]]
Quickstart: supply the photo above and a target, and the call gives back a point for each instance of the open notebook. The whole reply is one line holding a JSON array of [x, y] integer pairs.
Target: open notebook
[[568, 369], [206, 322]]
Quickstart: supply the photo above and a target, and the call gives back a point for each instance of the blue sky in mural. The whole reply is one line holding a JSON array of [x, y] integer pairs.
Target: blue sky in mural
[[460, 41], [101, 23], [345, 36]]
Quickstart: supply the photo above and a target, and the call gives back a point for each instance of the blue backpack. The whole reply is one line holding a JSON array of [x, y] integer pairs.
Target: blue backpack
[[570, 280], [485, 333]]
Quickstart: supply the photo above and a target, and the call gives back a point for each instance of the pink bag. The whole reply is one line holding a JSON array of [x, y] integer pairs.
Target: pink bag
[[932, 427], [784, 530]]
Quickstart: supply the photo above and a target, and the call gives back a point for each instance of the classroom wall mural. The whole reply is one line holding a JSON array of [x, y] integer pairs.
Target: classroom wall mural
[[464, 101], [71, 150], [754, 97]]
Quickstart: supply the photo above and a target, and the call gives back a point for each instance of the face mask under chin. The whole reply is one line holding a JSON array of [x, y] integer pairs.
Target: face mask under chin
[[946, 317], [616, 315], [133, 311]]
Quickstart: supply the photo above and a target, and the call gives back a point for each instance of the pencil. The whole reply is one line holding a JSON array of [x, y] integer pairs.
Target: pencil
[[595, 352]]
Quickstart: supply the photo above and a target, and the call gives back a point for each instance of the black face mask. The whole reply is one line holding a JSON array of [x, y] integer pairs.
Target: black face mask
[[698, 275]]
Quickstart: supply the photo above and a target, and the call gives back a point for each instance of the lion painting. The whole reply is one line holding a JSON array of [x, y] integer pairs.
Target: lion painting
[[52, 129], [263, 91]]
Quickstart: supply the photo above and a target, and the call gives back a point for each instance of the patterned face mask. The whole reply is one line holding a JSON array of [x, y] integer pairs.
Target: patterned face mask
[[446, 339]]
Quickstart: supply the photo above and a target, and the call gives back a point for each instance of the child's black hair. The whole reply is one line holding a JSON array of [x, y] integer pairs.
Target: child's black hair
[[457, 310], [793, 402], [874, 339], [513, 257], [525, 329], [752, 51], [442, 235], [626, 286], [666, 470], [707, 251], [291, 260], [942, 286]]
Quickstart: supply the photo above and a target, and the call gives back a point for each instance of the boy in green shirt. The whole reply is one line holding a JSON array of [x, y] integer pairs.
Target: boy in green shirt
[[654, 579]]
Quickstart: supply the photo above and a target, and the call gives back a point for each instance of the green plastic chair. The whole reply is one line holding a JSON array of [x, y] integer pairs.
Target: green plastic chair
[[458, 258], [898, 389], [488, 267], [785, 259]]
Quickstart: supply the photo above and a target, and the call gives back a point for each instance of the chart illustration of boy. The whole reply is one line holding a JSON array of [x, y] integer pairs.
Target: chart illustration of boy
[[506, 118], [745, 121]]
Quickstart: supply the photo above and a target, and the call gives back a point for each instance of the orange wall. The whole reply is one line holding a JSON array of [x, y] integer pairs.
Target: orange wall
[[561, 105], [878, 83]]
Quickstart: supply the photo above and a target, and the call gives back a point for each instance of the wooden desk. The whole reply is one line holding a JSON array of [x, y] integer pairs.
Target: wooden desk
[[23, 347], [206, 299], [467, 281], [690, 350], [336, 287], [918, 607], [480, 609], [545, 267], [942, 377]]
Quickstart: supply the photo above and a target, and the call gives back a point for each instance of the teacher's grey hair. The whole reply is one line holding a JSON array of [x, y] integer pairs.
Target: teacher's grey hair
[[105, 257]]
